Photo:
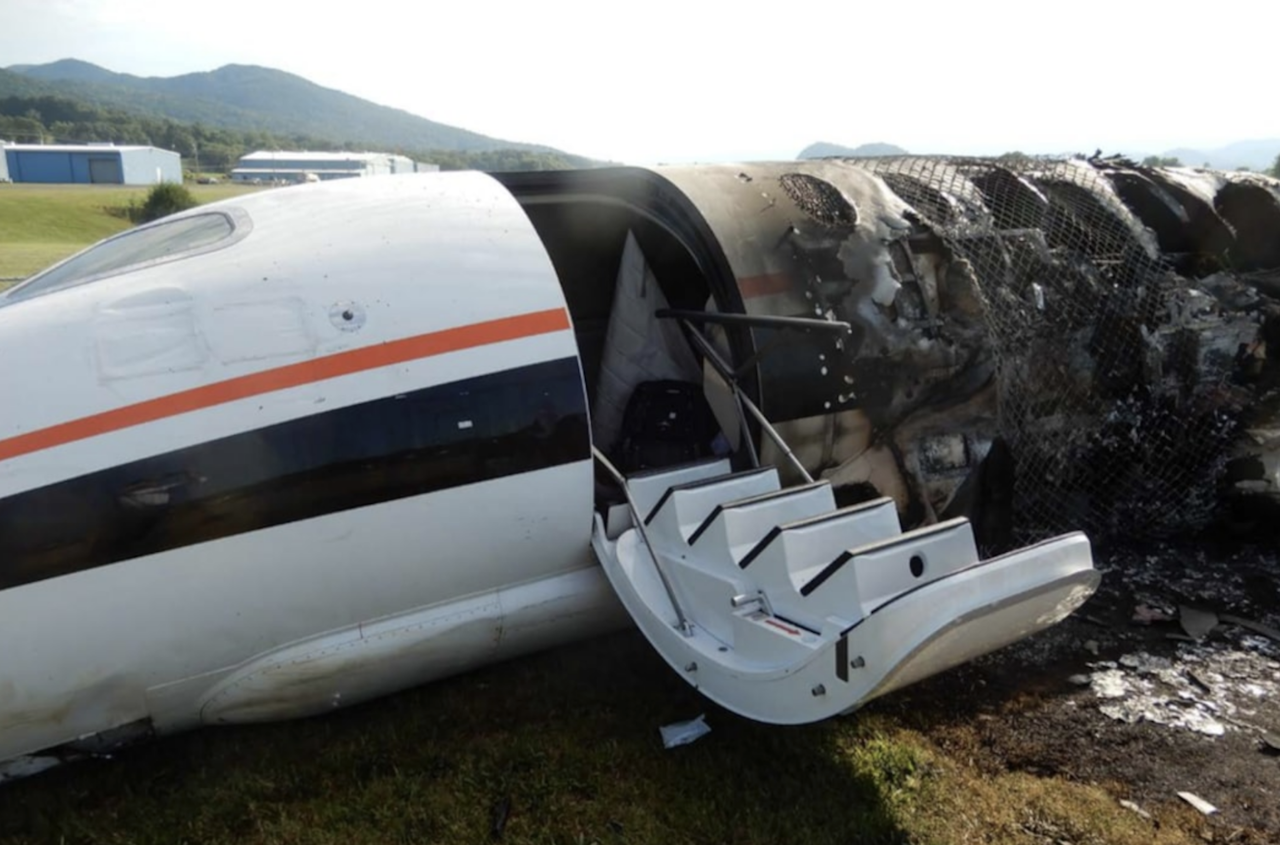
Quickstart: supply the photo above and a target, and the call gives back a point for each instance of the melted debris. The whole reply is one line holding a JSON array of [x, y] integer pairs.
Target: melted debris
[[1178, 658], [1203, 689]]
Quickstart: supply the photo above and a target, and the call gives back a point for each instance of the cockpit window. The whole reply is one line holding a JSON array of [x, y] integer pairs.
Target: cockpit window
[[165, 240]]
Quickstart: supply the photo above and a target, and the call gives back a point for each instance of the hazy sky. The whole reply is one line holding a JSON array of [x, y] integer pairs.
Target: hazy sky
[[661, 80]]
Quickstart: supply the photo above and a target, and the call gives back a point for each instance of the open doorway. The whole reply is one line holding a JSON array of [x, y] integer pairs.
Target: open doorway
[[620, 264]]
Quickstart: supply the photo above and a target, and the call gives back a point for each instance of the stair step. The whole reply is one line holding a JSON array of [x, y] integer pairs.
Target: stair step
[[873, 574], [793, 553], [819, 538], [743, 651], [769, 639], [736, 527], [684, 506], [650, 485]]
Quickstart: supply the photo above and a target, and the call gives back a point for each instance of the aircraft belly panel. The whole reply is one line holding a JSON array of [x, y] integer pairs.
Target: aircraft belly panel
[[358, 663], [374, 659]]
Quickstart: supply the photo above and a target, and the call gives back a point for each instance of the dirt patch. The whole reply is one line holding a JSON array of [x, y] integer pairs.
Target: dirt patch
[[1120, 695]]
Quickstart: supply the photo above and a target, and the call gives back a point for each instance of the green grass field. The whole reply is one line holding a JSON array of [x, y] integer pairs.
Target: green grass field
[[42, 224]]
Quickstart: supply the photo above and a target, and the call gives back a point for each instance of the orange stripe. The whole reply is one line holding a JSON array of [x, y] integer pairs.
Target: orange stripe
[[772, 284], [293, 375]]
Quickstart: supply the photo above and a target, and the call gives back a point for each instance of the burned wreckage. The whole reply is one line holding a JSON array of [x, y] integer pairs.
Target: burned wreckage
[[1038, 344], [792, 417]]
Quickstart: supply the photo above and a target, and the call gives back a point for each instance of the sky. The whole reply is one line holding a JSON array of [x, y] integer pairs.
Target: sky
[[691, 80]]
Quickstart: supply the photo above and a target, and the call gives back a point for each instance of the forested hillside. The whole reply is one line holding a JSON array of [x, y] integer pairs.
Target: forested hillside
[[211, 133]]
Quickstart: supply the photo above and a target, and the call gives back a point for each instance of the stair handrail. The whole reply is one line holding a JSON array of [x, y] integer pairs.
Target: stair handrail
[[803, 324], [682, 621], [743, 401]]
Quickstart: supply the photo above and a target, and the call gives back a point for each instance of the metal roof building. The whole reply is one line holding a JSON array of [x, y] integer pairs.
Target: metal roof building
[[92, 163], [4, 164], [279, 166]]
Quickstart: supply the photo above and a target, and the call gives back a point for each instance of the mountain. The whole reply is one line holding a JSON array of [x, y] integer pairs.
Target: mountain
[[249, 97], [822, 149], [1255, 155], [67, 70]]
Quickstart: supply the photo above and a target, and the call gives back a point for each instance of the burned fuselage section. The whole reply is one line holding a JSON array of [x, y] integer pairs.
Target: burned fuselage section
[[1107, 323], [1038, 344]]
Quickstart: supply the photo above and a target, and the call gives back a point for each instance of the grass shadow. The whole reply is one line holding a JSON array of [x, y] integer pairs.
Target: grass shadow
[[560, 747]]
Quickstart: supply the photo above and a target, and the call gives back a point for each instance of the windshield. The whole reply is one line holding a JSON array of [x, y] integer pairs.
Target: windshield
[[161, 241]]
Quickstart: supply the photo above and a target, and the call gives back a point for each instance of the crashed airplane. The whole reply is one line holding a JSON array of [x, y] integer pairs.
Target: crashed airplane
[[300, 448]]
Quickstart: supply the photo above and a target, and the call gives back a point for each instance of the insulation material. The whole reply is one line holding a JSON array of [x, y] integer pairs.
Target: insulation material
[[638, 346]]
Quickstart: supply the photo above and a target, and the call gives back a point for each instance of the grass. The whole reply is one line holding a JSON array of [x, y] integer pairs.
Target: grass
[[42, 224], [562, 747]]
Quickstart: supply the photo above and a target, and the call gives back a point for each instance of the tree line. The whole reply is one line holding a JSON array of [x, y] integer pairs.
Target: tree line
[[52, 119]]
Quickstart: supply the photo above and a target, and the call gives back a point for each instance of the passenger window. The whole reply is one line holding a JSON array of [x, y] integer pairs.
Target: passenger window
[[165, 240]]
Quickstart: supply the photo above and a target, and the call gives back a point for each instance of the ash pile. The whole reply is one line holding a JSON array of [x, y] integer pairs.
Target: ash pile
[[1132, 315]]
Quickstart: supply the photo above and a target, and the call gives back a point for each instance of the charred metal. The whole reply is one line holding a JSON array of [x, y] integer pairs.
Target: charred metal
[[1112, 327]]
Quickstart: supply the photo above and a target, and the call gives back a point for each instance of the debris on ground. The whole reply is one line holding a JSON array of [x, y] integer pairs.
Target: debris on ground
[[683, 733], [1199, 803], [1203, 689], [1197, 623], [1145, 614], [1053, 694], [1129, 805], [1265, 630]]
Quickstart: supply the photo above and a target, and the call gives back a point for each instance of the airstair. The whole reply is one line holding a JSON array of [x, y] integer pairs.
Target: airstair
[[783, 608]]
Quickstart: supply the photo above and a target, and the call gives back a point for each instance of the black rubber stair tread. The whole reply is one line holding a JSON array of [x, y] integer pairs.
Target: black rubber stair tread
[[754, 500], [809, 522], [703, 482], [907, 539]]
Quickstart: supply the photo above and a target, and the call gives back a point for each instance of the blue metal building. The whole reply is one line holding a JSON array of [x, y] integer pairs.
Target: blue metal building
[[92, 163]]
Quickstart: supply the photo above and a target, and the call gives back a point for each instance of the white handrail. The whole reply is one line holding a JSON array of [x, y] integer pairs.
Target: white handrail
[[682, 622], [743, 400]]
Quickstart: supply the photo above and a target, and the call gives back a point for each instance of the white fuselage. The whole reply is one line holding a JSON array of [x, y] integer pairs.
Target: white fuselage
[[341, 453]]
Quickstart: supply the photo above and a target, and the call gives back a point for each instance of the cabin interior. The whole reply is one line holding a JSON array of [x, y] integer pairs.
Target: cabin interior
[[644, 376]]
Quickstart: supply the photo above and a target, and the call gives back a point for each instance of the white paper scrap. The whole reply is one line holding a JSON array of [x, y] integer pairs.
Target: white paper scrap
[[683, 733]]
